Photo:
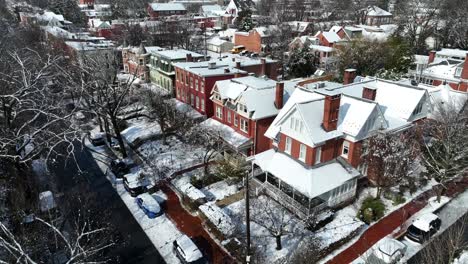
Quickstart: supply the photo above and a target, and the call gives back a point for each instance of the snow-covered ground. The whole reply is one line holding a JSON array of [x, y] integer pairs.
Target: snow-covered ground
[[463, 259], [219, 190], [161, 231], [174, 155]]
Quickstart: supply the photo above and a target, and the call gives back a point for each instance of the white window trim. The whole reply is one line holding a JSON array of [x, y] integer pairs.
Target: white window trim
[[288, 145], [346, 145], [318, 155], [302, 152], [244, 125]]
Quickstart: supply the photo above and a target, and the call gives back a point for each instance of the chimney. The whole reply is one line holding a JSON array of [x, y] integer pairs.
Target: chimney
[[212, 65], [226, 70], [369, 93], [238, 65], [349, 76], [330, 112], [233, 59], [432, 55], [237, 75], [279, 95], [464, 73], [263, 67], [189, 57]]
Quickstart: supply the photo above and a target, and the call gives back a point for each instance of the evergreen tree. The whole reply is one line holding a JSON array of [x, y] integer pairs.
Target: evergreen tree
[[301, 63]]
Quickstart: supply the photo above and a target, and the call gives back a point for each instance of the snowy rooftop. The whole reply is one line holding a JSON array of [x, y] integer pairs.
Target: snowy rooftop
[[377, 11], [321, 48], [331, 37], [452, 53], [444, 69], [167, 7], [310, 181], [227, 133], [219, 218], [177, 54], [89, 46]]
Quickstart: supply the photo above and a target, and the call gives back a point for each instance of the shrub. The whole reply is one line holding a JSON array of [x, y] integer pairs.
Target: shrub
[[195, 181], [371, 210]]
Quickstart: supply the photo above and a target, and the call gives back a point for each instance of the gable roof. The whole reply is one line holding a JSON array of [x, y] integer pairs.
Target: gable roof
[[377, 11], [331, 37]]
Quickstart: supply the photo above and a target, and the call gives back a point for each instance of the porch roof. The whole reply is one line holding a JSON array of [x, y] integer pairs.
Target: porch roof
[[228, 134], [310, 181]]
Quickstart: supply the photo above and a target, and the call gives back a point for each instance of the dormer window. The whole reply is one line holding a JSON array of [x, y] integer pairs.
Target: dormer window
[[458, 72], [418, 108], [345, 151], [242, 108], [296, 125]]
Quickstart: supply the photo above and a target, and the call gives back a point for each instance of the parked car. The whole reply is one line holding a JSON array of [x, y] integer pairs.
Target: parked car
[[98, 139], [115, 144], [423, 228], [187, 251], [136, 183], [120, 167], [244, 53], [387, 251], [149, 205]]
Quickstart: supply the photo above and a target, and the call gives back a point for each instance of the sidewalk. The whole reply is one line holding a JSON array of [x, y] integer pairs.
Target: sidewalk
[[391, 222]]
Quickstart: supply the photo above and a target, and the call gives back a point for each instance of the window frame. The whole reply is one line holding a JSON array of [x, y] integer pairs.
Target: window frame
[[288, 145]]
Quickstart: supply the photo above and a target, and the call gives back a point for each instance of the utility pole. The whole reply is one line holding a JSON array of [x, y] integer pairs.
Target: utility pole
[[247, 213]]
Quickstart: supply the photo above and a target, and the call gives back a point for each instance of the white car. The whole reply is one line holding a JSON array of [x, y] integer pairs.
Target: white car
[[387, 251], [187, 251], [423, 228]]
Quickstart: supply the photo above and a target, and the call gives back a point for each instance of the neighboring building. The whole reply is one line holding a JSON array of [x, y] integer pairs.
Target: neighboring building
[[219, 45], [376, 16], [102, 52], [448, 66], [45, 18], [244, 109], [328, 39], [212, 10], [256, 40], [102, 11], [136, 60], [318, 135], [162, 70], [195, 80], [158, 10], [100, 28], [300, 28]]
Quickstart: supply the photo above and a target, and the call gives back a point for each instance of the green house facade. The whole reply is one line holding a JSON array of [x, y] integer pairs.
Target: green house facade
[[162, 66]]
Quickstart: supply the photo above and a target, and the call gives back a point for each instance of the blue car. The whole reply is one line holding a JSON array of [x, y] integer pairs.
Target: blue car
[[149, 205]]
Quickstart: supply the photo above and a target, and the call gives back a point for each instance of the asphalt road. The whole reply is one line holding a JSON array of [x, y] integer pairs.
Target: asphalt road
[[134, 246]]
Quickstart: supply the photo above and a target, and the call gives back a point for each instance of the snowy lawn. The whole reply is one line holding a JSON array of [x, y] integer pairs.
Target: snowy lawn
[[219, 190], [342, 226], [173, 156]]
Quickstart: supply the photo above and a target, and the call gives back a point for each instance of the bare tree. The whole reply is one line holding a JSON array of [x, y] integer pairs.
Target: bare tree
[[389, 159], [274, 218], [444, 148]]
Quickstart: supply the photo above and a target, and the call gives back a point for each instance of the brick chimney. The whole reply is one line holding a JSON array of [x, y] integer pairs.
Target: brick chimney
[[189, 57], [349, 76], [330, 112], [369, 93], [279, 95], [237, 75], [263, 67], [464, 73], [238, 65], [432, 55]]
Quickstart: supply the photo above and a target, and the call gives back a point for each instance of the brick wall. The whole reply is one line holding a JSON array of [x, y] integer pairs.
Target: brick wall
[[251, 41]]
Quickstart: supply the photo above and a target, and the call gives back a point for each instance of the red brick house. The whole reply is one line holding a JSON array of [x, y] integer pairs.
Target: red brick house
[[448, 66], [195, 80], [376, 16], [136, 60], [244, 109], [317, 139], [328, 39], [158, 10], [256, 40]]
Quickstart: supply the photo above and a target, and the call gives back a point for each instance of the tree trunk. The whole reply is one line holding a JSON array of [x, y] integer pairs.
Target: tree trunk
[[379, 192], [119, 137], [278, 243], [107, 130]]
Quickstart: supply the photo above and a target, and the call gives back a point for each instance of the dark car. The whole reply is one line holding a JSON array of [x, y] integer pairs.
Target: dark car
[[120, 167], [423, 228], [136, 183]]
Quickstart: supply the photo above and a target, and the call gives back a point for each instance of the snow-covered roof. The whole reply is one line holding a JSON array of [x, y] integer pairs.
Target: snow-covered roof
[[192, 192], [167, 7], [444, 69], [89, 46], [49, 15], [298, 26], [446, 97], [219, 65], [219, 218], [452, 53], [217, 41], [377, 11], [211, 9], [321, 48], [190, 250], [177, 54], [424, 222], [227, 133], [310, 181], [335, 29], [331, 37]]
